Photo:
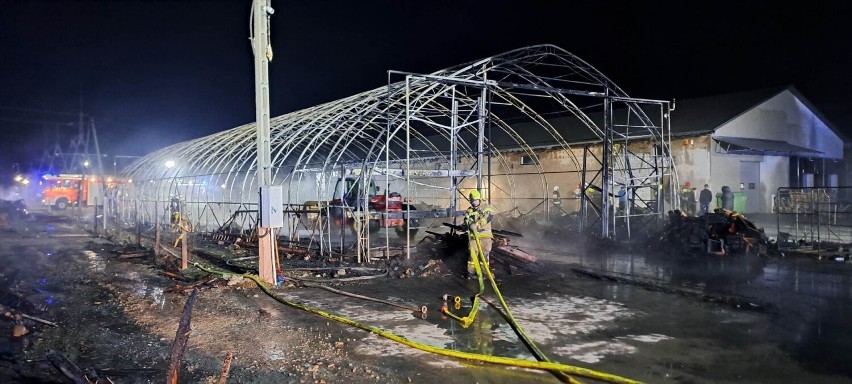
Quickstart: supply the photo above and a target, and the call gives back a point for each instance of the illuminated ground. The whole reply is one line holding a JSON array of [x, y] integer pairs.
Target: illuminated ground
[[118, 317]]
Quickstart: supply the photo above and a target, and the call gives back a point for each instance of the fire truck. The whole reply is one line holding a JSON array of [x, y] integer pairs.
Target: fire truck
[[64, 190]]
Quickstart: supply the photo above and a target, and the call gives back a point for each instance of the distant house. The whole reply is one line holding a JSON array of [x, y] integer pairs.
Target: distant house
[[763, 139], [758, 141]]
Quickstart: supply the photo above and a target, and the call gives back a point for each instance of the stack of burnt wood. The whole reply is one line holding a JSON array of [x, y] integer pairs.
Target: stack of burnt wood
[[720, 232], [502, 250]]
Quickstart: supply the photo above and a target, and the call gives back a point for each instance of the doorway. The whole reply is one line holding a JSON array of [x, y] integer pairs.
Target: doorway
[[750, 179]]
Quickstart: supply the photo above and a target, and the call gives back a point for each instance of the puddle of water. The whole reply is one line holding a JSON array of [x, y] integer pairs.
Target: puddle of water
[[594, 352], [553, 317], [95, 262]]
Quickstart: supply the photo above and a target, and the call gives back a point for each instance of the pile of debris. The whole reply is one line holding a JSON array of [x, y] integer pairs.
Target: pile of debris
[[453, 246], [721, 232]]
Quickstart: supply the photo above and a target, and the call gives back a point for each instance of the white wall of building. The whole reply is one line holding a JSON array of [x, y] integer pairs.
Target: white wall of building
[[784, 117], [774, 173], [699, 161]]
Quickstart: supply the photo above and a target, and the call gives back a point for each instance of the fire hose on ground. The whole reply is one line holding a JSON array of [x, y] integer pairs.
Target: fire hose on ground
[[479, 264], [541, 365], [422, 309]]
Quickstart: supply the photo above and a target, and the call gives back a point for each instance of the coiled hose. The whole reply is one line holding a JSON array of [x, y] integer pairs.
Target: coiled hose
[[547, 366]]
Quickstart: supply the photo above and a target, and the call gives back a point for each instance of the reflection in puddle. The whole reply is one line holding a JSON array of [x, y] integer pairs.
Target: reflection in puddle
[[96, 262]]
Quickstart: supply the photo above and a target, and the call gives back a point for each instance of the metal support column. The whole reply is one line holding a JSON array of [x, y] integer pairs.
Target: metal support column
[[606, 165]]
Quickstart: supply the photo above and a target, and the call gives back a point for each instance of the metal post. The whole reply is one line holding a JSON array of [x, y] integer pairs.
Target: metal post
[[407, 220], [453, 157], [156, 228], [95, 218], [606, 174], [261, 11], [184, 248], [486, 97], [138, 226], [101, 175], [480, 145], [343, 208], [583, 198]]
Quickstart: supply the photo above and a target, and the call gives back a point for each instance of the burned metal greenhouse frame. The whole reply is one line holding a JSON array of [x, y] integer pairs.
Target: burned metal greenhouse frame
[[513, 125]]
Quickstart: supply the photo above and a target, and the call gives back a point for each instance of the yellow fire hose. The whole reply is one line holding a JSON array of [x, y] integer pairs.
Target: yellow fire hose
[[521, 363], [479, 258], [517, 327], [467, 320]]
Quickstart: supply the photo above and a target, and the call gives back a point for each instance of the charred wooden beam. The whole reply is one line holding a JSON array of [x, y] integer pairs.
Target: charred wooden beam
[[226, 368], [185, 288], [181, 338], [24, 315], [514, 253], [174, 276], [133, 255], [67, 368]]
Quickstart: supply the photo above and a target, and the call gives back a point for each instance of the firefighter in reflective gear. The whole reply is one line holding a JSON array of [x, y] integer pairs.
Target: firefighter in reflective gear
[[477, 218], [556, 198]]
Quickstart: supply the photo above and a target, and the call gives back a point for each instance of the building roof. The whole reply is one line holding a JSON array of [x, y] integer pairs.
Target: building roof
[[696, 116], [691, 117], [748, 146], [704, 115]]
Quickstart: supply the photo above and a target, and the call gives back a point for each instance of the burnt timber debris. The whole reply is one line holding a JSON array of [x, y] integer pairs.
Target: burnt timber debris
[[721, 232]]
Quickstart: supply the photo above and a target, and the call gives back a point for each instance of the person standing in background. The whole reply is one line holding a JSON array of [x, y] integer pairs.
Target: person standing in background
[[727, 198], [704, 199]]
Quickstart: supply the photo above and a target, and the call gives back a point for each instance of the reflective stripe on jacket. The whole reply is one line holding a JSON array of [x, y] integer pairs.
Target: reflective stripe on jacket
[[479, 219]]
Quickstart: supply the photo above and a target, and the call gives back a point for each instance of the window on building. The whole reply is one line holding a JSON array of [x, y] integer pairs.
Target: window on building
[[529, 160]]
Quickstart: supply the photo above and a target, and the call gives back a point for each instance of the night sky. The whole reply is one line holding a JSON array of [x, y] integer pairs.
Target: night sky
[[153, 73]]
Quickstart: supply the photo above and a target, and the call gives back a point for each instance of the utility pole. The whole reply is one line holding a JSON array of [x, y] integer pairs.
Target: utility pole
[[267, 246]]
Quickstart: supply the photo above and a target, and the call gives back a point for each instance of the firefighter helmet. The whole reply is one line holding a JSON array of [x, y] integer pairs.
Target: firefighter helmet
[[474, 195]]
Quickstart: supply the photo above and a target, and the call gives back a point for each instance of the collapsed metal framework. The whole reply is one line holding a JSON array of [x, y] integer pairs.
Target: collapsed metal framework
[[512, 125]]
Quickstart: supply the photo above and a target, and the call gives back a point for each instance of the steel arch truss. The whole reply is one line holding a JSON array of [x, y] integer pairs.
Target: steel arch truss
[[430, 136]]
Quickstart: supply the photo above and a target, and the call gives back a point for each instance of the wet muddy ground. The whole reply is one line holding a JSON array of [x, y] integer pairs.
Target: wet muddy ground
[[119, 317]]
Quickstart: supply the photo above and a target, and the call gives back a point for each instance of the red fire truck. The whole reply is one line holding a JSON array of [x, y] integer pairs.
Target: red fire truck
[[64, 190]]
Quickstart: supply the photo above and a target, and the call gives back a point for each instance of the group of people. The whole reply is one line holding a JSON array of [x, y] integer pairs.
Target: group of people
[[591, 192], [687, 199]]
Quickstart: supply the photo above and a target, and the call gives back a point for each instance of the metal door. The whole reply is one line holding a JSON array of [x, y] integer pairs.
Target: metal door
[[750, 182]]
